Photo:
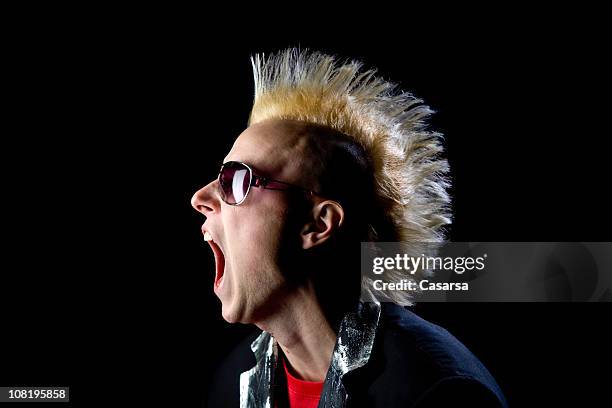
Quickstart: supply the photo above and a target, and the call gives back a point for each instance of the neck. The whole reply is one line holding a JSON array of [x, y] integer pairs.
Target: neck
[[304, 333]]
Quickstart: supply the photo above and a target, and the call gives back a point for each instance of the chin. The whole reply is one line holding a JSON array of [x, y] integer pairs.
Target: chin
[[231, 314], [228, 318], [227, 314]]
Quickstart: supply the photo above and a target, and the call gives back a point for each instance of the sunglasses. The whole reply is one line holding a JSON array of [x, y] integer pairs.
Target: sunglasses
[[237, 178]]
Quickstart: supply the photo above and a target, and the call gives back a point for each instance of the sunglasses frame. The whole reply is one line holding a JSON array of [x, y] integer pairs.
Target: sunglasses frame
[[256, 180]]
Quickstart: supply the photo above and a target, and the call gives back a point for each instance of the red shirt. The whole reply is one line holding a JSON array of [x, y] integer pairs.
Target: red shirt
[[302, 394]]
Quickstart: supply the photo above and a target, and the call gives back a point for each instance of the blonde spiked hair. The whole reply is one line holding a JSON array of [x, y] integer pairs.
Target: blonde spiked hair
[[410, 182]]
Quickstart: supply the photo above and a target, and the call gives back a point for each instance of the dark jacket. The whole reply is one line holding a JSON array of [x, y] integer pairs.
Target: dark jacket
[[412, 363]]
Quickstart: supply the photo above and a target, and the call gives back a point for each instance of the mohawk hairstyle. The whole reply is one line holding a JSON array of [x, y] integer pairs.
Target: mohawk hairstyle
[[410, 177]]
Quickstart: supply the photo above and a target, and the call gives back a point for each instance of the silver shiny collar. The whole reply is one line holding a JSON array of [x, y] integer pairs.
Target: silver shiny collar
[[352, 350]]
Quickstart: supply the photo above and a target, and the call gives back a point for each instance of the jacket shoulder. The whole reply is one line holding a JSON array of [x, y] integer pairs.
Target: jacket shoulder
[[416, 360]]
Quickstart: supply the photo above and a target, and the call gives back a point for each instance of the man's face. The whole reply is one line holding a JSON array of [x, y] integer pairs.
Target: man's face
[[254, 240]]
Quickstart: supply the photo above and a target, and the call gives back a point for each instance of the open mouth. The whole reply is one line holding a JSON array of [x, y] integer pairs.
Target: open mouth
[[219, 260]]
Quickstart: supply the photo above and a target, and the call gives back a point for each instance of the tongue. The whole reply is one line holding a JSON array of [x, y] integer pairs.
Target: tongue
[[219, 264]]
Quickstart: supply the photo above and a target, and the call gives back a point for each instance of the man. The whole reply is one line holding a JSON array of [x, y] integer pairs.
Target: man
[[332, 156]]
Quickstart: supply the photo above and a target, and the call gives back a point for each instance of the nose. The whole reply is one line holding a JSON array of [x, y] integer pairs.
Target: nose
[[206, 200]]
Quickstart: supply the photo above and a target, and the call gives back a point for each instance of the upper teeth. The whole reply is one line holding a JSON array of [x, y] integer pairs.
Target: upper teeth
[[207, 236]]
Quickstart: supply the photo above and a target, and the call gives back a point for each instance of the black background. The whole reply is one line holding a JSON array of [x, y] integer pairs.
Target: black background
[[114, 119]]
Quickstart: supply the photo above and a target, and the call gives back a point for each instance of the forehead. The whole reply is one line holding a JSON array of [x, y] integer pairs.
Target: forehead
[[278, 147]]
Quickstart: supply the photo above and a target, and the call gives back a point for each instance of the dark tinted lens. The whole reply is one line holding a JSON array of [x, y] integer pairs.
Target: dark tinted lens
[[235, 179]]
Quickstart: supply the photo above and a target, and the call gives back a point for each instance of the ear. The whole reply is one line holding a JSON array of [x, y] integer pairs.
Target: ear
[[327, 217]]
